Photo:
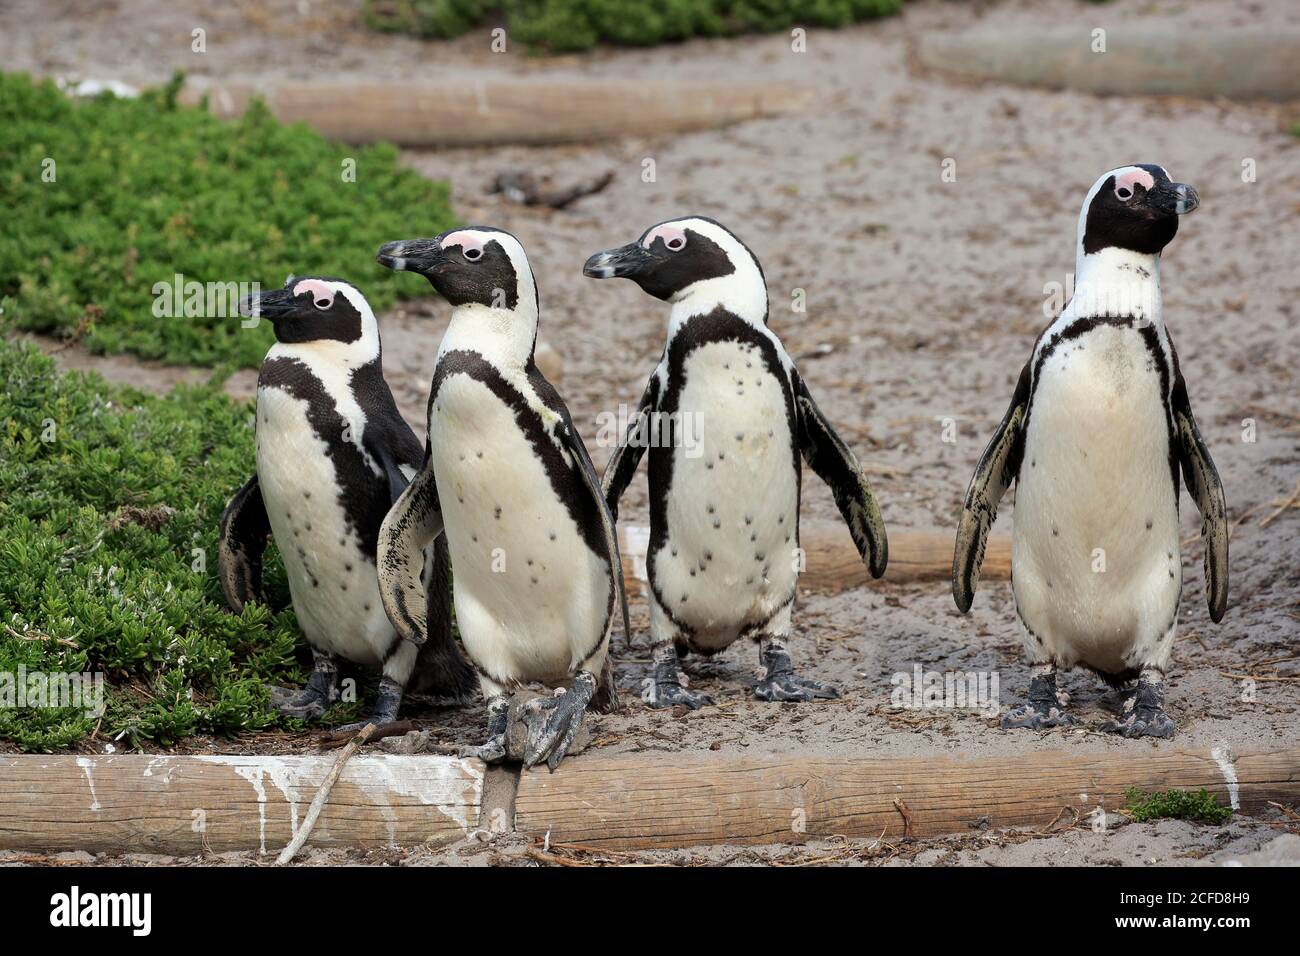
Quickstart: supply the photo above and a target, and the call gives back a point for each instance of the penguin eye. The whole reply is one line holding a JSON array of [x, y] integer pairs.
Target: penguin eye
[[676, 243], [323, 304], [1124, 193], [473, 255]]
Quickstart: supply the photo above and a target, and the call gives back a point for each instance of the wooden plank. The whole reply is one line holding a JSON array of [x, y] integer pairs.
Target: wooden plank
[[832, 562], [185, 804], [487, 112], [673, 800]]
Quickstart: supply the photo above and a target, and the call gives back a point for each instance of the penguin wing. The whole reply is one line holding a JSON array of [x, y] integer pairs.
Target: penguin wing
[[412, 523], [622, 464], [997, 469], [835, 463], [240, 544], [391, 442], [1206, 489]]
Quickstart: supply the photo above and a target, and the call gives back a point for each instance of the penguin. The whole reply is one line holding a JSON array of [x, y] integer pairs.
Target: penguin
[[333, 454], [537, 578], [727, 418], [1098, 427]]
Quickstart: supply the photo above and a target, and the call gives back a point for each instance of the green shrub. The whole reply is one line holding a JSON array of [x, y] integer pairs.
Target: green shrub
[[145, 189], [1176, 805], [568, 25], [109, 505]]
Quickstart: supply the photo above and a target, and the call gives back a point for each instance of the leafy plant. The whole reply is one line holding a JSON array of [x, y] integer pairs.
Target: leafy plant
[[1176, 805], [105, 198], [570, 25], [110, 501]]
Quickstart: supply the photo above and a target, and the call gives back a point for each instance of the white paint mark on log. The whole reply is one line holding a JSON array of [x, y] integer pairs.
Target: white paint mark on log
[[88, 766], [1224, 758]]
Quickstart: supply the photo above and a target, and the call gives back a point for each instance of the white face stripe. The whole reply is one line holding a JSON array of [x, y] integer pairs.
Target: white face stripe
[[479, 238], [322, 293], [674, 236], [466, 239]]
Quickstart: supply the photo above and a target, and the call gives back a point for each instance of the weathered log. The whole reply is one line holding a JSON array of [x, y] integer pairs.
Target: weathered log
[[1241, 64], [486, 112], [677, 800], [185, 804], [832, 562]]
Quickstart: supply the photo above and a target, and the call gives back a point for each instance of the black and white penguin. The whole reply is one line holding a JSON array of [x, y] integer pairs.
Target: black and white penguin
[[1097, 429], [727, 418], [333, 454], [536, 574]]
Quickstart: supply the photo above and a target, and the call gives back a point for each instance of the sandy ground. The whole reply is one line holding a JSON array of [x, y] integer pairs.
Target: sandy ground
[[924, 299]]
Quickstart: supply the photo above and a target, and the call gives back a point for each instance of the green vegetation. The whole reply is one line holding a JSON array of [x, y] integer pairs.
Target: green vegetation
[[1201, 806], [104, 198], [110, 501], [568, 25]]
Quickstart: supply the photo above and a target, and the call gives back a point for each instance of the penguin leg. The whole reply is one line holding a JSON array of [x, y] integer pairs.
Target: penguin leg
[[550, 740], [392, 685], [498, 708], [1044, 708], [313, 700], [777, 680], [669, 685], [1145, 707]]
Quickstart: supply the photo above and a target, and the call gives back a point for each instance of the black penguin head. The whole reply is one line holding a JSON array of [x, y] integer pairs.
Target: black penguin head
[[673, 256], [473, 266], [313, 308], [1134, 208]]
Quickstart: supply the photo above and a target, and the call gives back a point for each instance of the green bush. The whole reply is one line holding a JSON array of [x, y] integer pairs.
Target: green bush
[[109, 505], [1201, 806], [567, 25], [145, 189]]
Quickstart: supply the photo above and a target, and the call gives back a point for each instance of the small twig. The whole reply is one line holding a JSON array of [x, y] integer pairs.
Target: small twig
[[318, 802], [333, 739], [1060, 813], [901, 807], [1286, 810], [1259, 677], [1287, 504]]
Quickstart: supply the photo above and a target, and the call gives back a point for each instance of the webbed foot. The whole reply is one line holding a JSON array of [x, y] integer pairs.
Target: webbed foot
[[549, 738], [666, 689], [779, 682], [1044, 709], [309, 702], [1146, 712]]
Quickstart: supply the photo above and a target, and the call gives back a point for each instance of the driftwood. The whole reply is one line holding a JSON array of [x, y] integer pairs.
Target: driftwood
[[676, 800], [487, 112], [833, 564], [323, 794]]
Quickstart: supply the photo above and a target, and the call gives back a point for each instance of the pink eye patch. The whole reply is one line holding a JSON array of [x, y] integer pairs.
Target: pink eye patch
[[468, 240], [674, 237], [1124, 184], [322, 295]]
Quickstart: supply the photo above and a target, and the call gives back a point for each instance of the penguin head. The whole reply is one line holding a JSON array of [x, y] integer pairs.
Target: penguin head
[[1134, 208], [313, 309], [673, 258], [472, 266]]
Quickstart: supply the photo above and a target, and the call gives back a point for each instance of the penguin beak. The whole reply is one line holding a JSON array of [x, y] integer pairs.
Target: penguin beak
[[273, 304], [1174, 199], [424, 256], [623, 262]]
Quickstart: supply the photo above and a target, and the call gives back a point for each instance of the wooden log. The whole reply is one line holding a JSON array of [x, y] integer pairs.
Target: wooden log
[[832, 562], [185, 804], [488, 112], [1241, 64], [675, 800]]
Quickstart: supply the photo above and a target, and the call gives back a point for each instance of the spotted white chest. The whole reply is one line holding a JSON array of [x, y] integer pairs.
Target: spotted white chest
[[1095, 557], [531, 596], [728, 558], [334, 586]]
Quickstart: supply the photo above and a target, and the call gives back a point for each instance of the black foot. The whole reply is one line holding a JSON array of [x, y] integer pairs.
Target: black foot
[[780, 682], [1146, 714], [387, 705], [312, 701], [666, 690], [550, 738], [494, 750], [1044, 709]]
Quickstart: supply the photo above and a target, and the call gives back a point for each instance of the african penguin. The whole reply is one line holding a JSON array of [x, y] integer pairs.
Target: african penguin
[[1097, 429], [536, 574], [726, 417], [333, 454]]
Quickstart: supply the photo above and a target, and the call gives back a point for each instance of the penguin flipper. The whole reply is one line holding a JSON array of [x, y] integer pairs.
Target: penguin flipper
[[240, 545], [1206, 489], [997, 469], [835, 463], [411, 525], [622, 464]]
